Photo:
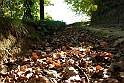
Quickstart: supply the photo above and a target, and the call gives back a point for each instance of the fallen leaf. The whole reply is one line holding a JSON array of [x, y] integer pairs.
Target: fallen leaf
[[64, 48], [98, 67], [7, 79], [87, 51], [118, 41], [35, 57], [37, 70], [57, 64], [22, 68], [104, 44], [76, 52], [43, 79]]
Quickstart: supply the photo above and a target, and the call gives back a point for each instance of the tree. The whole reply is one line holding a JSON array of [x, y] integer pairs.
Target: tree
[[11, 8], [41, 9], [26, 9], [42, 4], [81, 6], [109, 12], [27, 12], [100, 11]]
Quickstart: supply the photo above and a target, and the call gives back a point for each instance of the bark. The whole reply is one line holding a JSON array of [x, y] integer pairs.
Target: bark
[[41, 9], [27, 12]]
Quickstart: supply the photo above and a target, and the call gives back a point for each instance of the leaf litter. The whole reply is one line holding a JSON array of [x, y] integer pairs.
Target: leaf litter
[[73, 56]]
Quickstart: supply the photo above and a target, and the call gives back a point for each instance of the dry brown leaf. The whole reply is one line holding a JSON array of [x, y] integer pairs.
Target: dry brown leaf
[[22, 68], [64, 48], [104, 44], [32, 80], [43, 79], [118, 41], [37, 70]]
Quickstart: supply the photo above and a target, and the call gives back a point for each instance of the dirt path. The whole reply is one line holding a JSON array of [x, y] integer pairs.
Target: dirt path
[[76, 55]]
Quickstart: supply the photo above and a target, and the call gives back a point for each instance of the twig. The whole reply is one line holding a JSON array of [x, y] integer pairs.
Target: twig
[[82, 72], [47, 77]]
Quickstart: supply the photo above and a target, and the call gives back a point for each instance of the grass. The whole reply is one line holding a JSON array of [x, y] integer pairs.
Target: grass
[[111, 32]]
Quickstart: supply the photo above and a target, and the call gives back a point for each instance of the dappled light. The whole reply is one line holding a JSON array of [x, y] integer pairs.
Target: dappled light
[[37, 48]]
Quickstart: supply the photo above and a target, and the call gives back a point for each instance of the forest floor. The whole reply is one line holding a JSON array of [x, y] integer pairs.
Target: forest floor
[[85, 54]]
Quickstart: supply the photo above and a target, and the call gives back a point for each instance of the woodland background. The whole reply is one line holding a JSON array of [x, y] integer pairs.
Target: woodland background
[[30, 36]]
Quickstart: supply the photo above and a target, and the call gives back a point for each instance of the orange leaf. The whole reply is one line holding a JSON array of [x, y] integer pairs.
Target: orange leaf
[[103, 54], [76, 53], [63, 48], [22, 68], [35, 57], [48, 59], [87, 51], [37, 70], [109, 55], [94, 53], [82, 43], [53, 62], [85, 69], [57, 64], [98, 67]]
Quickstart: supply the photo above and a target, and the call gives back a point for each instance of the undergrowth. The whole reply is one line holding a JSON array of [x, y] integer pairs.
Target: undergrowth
[[25, 32], [48, 27]]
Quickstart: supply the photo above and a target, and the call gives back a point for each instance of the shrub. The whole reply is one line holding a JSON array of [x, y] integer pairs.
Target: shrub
[[48, 27]]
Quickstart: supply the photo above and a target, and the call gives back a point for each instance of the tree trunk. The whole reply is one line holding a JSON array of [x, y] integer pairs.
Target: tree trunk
[[41, 9], [108, 12], [27, 12]]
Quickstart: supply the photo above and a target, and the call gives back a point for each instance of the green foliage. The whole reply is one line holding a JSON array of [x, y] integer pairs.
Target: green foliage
[[48, 27], [47, 16], [41, 29], [21, 8], [12, 26], [12, 8], [48, 3], [81, 6], [28, 28]]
